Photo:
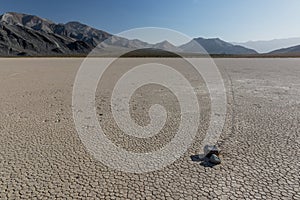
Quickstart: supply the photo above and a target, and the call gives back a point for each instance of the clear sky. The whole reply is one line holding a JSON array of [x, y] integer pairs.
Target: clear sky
[[231, 20]]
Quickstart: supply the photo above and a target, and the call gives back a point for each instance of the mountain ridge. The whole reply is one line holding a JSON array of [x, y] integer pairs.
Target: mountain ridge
[[267, 46], [290, 50], [30, 35], [215, 46]]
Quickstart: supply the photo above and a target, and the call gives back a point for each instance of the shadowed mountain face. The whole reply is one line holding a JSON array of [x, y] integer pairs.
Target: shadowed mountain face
[[81, 32], [215, 46], [29, 21], [29, 35], [295, 50], [22, 34]]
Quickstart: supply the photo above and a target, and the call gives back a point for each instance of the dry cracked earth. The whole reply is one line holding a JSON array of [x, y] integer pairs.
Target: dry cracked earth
[[42, 156]]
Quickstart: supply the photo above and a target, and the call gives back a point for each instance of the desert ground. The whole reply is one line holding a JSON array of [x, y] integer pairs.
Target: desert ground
[[42, 156]]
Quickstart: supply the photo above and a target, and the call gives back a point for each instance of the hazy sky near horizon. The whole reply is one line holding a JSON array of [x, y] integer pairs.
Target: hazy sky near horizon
[[231, 20]]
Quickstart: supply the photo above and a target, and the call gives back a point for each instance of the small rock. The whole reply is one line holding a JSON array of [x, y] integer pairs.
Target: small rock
[[210, 150], [214, 159]]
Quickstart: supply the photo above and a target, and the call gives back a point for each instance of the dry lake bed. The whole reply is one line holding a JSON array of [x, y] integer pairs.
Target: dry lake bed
[[42, 156]]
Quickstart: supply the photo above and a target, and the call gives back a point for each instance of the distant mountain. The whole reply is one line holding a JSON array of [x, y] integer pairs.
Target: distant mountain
[[119, 42], [29, 35], [270, 45], [295, 50], [215, 46], [167, 46]]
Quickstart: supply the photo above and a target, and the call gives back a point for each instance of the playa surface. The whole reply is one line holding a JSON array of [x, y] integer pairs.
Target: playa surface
[[42, 156]]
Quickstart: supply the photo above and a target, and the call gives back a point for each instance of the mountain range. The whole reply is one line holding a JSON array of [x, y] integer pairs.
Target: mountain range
[[294, 50], [215, 46], [29, 35], [266, 46]]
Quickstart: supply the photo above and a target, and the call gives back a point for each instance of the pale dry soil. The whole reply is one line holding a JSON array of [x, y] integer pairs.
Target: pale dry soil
[[42, 156]]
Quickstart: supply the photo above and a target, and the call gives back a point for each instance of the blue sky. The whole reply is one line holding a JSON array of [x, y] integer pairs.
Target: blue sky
[[231, 20]]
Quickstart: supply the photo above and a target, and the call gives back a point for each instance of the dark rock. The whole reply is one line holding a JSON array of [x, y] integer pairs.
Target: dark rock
[[214, 159], [210, 150]]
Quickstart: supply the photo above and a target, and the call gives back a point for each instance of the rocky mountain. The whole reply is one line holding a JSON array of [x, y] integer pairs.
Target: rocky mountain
[[215, 46], [19, 40], [29, 21], [29, 35], [270, 45], [80, 32], [22, 34], [295, 50]]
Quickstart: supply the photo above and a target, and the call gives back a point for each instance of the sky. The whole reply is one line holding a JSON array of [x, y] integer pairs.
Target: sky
[[230, 20]]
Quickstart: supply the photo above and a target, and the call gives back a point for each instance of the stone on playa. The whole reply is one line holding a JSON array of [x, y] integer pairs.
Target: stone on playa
[[210, 150], [214, 159]]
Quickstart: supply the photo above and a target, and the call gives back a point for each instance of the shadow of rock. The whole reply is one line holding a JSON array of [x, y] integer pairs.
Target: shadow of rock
[[196, 158], [203, 159]]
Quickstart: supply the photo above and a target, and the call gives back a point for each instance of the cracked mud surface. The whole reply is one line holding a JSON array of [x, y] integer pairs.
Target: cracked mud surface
[[42, 157]]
